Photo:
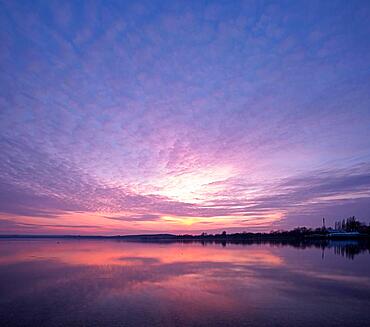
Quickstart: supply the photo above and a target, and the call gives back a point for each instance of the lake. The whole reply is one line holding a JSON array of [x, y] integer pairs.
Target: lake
[[62, 282]]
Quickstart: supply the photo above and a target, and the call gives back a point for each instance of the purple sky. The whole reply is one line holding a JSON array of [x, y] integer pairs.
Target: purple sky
[[183, 116]]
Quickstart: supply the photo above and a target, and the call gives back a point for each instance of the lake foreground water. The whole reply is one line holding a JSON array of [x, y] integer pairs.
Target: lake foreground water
[[62, 282]]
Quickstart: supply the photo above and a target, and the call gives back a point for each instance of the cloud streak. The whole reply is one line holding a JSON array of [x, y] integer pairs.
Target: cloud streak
[[183, 115]]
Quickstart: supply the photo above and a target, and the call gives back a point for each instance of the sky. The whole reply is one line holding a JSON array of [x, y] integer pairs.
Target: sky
[[127, 117]]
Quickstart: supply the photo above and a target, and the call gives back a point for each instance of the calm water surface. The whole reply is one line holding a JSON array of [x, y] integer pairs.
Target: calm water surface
[[111, 283]]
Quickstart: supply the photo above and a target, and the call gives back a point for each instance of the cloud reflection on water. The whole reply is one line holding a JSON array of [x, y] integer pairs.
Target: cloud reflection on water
[[121, 283]]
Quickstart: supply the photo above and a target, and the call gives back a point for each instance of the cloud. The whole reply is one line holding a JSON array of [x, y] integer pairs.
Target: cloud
[[187, 110], [37, 196], [133, 218]]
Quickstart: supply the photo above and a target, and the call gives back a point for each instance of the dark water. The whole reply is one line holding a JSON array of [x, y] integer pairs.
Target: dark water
[[111, 283]]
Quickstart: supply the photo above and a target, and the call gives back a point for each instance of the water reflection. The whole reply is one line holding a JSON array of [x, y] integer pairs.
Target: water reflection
[[346, 248], [87, 283]]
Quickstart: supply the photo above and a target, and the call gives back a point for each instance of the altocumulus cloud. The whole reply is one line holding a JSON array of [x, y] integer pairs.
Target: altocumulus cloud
[[245, 113]]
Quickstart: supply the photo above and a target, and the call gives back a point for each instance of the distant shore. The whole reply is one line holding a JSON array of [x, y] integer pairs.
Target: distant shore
[[346, 229], [237, 237]]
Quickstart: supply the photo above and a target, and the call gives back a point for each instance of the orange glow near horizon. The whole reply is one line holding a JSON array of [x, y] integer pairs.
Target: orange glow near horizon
[[101, 224]]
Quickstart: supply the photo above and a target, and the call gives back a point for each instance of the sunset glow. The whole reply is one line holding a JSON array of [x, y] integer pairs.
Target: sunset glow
[[182, 117]]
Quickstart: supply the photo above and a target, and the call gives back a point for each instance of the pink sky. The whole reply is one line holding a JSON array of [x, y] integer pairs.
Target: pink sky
[[183, 118]]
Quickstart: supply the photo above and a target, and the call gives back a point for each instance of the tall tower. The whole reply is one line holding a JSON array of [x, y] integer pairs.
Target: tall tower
[[323, 223]]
